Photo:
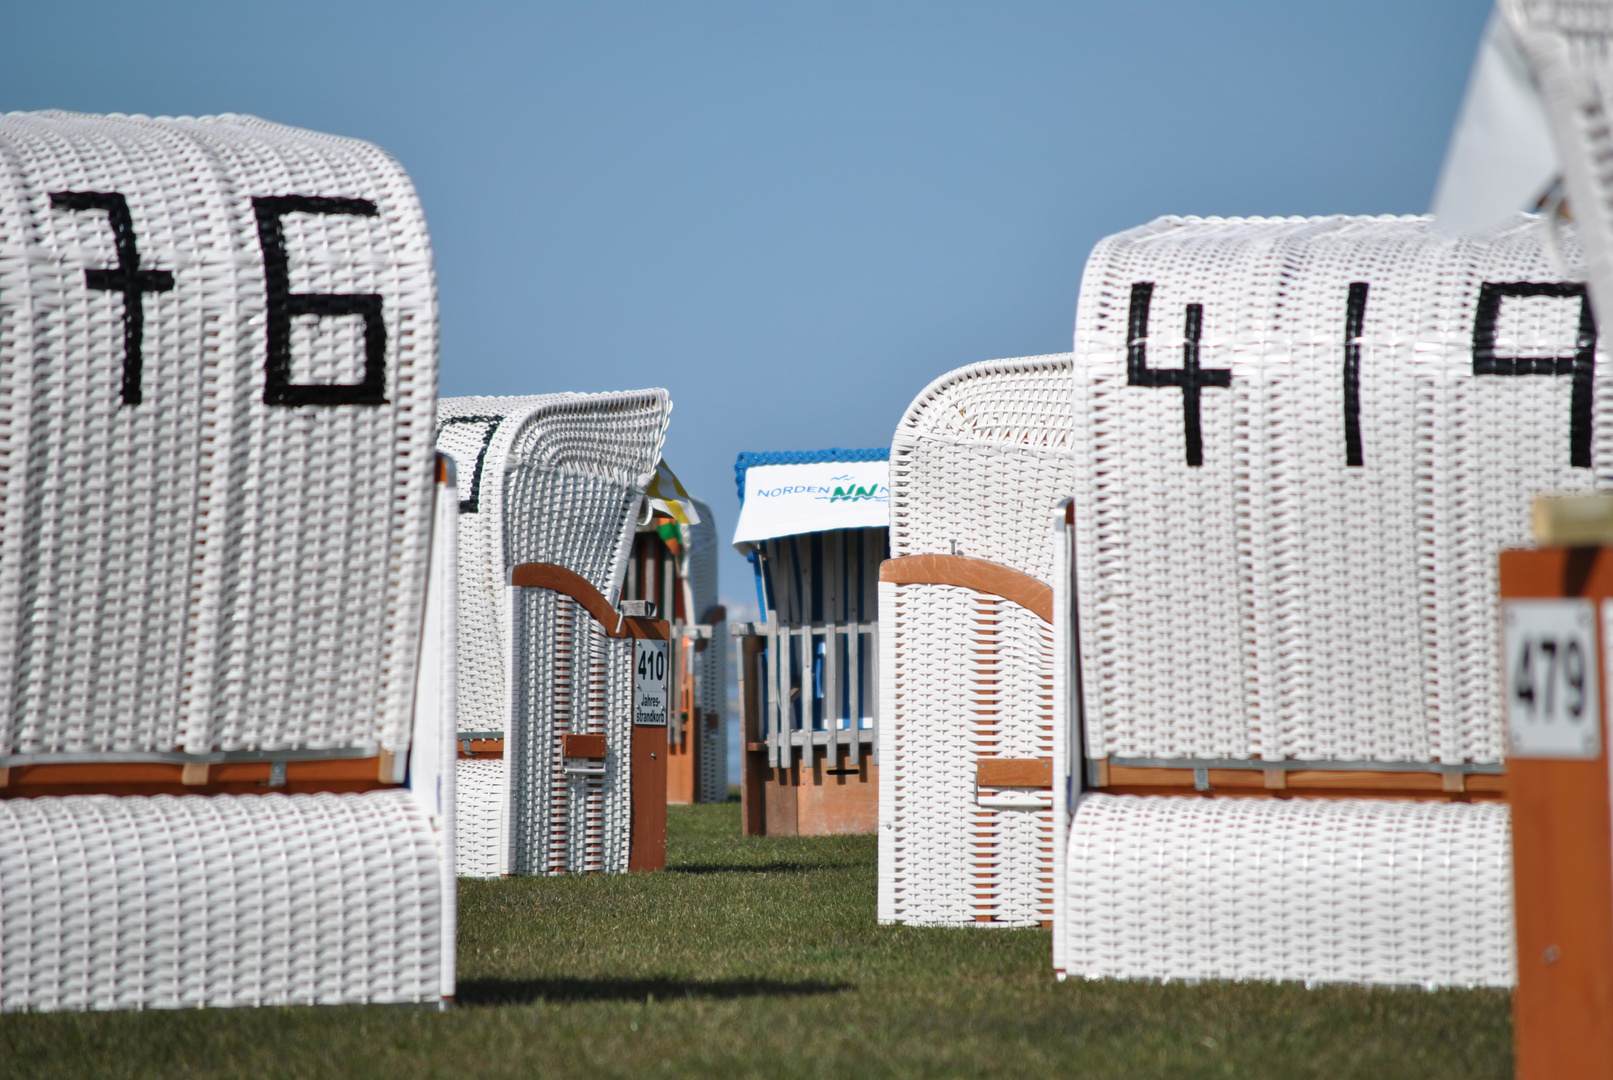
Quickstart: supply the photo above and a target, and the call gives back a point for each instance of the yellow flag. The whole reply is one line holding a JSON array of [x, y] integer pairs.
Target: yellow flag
[[666, 494]]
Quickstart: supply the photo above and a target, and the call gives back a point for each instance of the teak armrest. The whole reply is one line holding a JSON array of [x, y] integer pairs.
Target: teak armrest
[[1014, 772], [537, 575], [293, 776], [977, 574]]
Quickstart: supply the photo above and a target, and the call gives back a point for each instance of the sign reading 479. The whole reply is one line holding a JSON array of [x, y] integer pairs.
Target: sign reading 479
[[1549, 650]]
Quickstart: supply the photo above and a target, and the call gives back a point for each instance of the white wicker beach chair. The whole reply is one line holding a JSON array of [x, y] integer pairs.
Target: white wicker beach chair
[[674, 566], [226, 571], [965, 608], [550, 491], [1300, 446]]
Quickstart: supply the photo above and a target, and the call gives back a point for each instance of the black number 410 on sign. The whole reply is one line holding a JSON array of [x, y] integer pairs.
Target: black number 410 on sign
[[649, 682]]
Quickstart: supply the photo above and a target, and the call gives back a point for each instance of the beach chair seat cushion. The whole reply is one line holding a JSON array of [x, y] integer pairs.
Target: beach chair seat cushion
[[186, 901]]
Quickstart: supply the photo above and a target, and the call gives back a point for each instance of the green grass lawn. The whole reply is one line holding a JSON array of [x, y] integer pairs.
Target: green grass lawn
[[762, 958]]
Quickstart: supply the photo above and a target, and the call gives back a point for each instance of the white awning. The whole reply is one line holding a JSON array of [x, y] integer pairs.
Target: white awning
[[783, 500]]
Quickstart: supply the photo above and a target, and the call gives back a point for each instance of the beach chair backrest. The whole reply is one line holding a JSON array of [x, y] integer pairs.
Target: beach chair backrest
[[1300, 445], [553, 478], [976, 457], [217, 381]]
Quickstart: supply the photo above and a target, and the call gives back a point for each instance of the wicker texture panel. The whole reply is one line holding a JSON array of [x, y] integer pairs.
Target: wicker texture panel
[[979, 460], [1355, 891], [479, 818], [468, 436], [574, 478], [573, 679], [180, 902], [1276, 601], [975, 457], [201, 570], [971, 682]]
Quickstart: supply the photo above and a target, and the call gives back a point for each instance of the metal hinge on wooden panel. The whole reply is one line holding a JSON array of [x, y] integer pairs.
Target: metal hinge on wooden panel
[[583, 746], [584, 754], [1014, 783]]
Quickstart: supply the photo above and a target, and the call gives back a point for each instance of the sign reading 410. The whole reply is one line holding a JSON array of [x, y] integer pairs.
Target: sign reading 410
[[1549, 655], [649, 683]]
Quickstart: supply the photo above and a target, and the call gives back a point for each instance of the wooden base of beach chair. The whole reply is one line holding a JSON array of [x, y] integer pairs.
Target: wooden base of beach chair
[[820, 798]]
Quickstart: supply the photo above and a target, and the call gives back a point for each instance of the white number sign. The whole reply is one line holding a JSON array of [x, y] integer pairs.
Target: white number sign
[[649, 682], [1553, 708]]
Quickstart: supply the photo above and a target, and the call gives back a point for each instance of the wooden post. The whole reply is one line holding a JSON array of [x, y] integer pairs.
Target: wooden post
[[1562, 837], [647, 845], [753, 753], [683, 738]]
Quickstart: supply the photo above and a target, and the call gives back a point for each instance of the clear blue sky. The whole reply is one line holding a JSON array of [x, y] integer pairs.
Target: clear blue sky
[[793, 216]]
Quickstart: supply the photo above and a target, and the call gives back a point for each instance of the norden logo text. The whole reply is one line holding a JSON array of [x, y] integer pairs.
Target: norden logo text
[[841, 492]]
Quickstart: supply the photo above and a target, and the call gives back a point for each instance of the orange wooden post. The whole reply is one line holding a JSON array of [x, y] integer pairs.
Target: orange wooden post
[[683, 760], [753, 752], [652, 686], [646, 848], [1562, 820]]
